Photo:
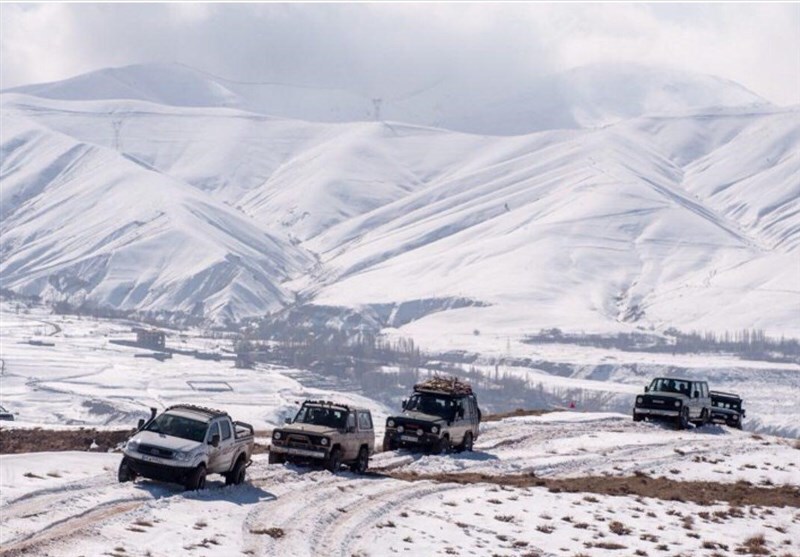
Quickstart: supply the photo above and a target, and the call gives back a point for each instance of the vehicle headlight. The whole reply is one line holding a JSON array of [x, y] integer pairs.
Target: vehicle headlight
[[182, 455], [324, 441], [639, 400], [400, 429], [419, 433], [735, 417], [390, 423], [435, 429], [677, 403], [276, 435], [132, 445]]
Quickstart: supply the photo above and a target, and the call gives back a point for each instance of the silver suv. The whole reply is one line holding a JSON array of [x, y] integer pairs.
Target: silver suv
[[441, 415], [680, 401], [326, 433]]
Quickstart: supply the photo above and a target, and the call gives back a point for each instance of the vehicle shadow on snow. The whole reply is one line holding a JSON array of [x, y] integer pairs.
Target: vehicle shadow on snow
[[244, 494], [710, 429]]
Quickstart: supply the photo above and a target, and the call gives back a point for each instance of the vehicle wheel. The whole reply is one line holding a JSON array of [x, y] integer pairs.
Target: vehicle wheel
[[683, 419], [466, 444], [637, 417], [197, 479], [362, 462], [389, 444], [442, 446], [334, 461], [236, 476], [125, 474], [275, 458]]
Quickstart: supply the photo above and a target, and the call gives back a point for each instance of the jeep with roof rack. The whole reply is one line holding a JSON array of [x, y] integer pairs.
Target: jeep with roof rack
[[441, 414], [327, 433], [726, 408], [679, 401], [184, 444]]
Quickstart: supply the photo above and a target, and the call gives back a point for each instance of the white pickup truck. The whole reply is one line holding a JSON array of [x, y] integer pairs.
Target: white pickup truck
[[184, 444]]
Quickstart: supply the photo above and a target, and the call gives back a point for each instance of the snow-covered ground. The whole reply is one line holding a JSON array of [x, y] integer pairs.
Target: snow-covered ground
[[74, 506], [86, 380]]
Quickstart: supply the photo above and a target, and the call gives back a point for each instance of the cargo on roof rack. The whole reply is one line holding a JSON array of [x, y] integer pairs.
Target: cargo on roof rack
[[446, 385], [212, 412]]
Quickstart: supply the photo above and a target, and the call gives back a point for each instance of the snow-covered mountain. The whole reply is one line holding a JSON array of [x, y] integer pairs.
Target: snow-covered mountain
[[661, 199], [588, 96]]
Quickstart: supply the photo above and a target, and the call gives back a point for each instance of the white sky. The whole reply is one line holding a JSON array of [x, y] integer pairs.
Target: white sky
[[383, 49]]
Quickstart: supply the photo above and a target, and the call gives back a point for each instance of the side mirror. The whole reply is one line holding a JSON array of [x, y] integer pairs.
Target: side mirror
[[287, 420], [215, 440], [647, 389], [405, 403], [140, 423]]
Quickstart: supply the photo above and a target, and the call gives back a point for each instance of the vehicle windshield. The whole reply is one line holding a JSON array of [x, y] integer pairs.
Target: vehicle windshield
[[322, 415], [437, 405], [662, 385], [730, 404], [178, 426]]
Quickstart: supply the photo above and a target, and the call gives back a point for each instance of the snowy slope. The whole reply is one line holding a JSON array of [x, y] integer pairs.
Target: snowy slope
[[81, 221], [686, 219], [587, 96]]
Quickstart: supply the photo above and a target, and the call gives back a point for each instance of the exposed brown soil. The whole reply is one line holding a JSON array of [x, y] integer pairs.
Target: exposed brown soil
[[514, 414], [14, 440], [704, 493]]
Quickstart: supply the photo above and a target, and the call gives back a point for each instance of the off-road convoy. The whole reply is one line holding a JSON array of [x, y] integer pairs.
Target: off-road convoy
[[726, 408], [441, 414], [685, 401], [326, 433], [184, 444]]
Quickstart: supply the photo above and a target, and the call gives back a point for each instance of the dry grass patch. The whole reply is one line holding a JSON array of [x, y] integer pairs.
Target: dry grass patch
[[619, 528], [754, 545], [274, 533]]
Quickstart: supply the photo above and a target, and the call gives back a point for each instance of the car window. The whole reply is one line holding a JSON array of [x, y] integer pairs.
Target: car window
[[213, 430], [364, 421], [226, 429], [351, 420]]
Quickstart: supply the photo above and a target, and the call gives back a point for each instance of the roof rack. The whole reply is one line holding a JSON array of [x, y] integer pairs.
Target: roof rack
[[328, 403], [447, 385], [214, 413], [721, 393]]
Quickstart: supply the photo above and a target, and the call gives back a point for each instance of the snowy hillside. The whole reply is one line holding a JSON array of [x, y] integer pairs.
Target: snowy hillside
[[587, 96], [688, 218], [84, 222]]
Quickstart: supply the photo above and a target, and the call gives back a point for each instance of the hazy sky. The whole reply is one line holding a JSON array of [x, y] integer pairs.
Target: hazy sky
[[383, 49]]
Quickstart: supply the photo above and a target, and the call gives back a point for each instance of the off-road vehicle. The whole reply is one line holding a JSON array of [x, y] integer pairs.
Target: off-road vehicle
[[326, 433], [6, 415], [442, 414], [678, 400], [184, 444], [726, 408]]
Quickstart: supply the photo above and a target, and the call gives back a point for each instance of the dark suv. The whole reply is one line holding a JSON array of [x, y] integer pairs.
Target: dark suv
[[677, 400], [726, 408]]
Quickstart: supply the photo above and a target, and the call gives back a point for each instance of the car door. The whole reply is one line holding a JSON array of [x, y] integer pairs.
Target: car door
[[366, 432], [350, 444], [227, 443], [215, 454]]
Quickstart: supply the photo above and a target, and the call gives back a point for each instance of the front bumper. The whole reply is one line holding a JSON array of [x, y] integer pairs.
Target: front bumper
[[410, 439], [656, 412], [303, 453], [155, 469]]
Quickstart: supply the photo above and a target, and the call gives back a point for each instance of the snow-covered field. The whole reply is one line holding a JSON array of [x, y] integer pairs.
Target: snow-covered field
[[74, 506]]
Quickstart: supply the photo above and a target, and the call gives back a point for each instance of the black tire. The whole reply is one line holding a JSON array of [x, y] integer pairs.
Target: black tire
[[637, 417], [682, 421], [466, 444], [236, 476], [196, 479], [362, 462], [275, 458], [125, 474], [389, 444], [442, 446], [334, 461]]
